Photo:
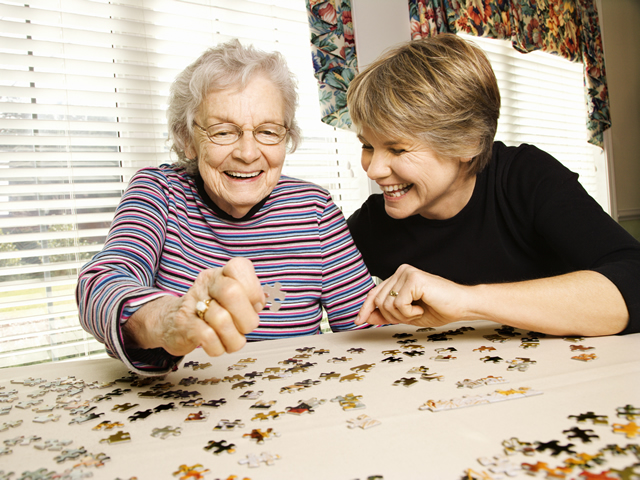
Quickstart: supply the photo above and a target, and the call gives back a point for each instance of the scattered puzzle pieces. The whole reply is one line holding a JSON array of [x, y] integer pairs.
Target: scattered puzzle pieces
[[119, 437], [467, 401], [631, 429], [254, 461], [260, 436], [629, 412], [595, 419], [164, 432], [585, 357], [194, 472], [363, 421], [218, 447], [584, 435]]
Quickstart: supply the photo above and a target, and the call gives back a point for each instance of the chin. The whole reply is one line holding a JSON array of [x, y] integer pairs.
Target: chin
[[395, 213]]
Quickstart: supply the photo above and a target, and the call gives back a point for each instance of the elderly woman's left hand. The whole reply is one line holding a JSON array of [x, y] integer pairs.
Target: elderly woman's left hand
[[235, 298], [414, 297]]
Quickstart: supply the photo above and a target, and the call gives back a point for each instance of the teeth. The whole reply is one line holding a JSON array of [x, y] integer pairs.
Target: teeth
[[396, 190], [243, 175], [393, 188]]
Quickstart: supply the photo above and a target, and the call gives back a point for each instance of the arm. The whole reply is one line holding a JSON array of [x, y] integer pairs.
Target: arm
[[346, 279], [546, 209], [121, 306], [578, 303], [171, 323]]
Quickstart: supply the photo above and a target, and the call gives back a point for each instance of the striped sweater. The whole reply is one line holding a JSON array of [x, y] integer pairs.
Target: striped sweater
[[164, 233]]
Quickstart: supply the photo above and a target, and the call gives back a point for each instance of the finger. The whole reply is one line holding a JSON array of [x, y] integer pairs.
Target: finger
[[387, 300], [231, 296], [376, 318], [242, 270], [367, 308], [210, 342], [223, 326]]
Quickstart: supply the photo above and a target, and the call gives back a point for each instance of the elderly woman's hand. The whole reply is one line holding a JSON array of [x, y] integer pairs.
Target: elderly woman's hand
[[235, 299], [415, 297]]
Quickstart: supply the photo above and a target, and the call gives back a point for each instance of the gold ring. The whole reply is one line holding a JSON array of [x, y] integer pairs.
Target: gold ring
[[202, 307], [393, 293]]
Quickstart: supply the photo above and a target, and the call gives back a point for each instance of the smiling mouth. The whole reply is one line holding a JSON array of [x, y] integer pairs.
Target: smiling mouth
[[243, 175], [396, 190]]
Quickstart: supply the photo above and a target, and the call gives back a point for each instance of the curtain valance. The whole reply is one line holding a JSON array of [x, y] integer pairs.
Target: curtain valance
[[568, 28]]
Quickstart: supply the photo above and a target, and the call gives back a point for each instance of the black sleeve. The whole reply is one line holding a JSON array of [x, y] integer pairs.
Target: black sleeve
[[574, 225]]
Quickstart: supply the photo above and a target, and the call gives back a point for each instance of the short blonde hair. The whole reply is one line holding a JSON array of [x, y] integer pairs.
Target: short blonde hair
[[440, 90], [230, 65]]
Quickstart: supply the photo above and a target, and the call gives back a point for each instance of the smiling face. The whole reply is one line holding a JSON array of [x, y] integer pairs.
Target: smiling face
[[413, 179], [238, 176]]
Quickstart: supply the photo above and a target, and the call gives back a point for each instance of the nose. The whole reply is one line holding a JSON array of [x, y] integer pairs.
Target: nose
[[247, 148], [376, 164]]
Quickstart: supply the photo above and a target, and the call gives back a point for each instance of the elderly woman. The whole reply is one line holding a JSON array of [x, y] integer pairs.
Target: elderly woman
[[467, 228], [220, 248]]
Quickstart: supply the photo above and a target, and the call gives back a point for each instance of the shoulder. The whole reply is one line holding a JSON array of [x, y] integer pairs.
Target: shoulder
[[528, 172], [527, 161], [301, 192], [164, 174], [372, 212], [289, 185], [170, 181]]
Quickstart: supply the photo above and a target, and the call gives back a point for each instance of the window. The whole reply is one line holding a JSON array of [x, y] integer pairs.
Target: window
[[83, 90], [543, 104]]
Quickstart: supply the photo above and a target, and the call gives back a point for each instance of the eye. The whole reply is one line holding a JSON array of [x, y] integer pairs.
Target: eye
[[397, 151], [367, 147], [266, 132], [222, 131]]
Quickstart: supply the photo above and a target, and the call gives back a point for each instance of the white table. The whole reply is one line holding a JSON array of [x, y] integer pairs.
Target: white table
[[409, 443]]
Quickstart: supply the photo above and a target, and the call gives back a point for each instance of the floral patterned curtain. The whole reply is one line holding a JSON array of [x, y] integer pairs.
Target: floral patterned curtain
[[568, 28], [334, 57]]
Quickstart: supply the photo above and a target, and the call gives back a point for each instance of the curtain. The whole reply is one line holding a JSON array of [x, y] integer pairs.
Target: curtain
[[568, 28], [334, 57]]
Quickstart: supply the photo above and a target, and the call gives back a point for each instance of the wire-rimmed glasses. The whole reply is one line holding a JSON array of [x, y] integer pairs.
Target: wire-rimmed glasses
[[228, 133]]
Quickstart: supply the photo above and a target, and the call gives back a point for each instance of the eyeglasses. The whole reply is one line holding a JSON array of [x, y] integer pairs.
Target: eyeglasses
[[228, 133]]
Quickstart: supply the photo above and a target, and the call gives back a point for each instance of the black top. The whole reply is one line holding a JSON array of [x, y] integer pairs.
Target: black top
[[528, 218]]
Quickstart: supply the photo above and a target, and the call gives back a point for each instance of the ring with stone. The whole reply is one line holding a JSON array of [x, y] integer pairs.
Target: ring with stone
[[393, 293], [201, 307]]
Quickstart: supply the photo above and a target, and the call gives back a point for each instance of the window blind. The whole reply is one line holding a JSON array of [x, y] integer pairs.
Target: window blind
[[83, 87], [543, 104]]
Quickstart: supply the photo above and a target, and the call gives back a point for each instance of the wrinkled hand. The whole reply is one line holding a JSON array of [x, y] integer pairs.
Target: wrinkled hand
[[422, 300], [236, 299]]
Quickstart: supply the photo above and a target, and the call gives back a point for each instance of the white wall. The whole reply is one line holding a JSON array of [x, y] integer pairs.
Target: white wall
[[378, 25], [619, 21]]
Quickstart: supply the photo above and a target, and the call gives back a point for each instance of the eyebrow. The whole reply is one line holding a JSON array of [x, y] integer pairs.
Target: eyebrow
[[386, 144]]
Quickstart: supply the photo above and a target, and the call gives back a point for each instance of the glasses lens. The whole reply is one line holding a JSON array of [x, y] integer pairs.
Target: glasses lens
[[224, 133], [270, 133]]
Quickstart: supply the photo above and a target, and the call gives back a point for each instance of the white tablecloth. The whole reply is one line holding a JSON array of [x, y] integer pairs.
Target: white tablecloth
[[408, 443]]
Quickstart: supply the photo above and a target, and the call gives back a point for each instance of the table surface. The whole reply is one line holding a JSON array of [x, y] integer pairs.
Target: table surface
[[410, 441]]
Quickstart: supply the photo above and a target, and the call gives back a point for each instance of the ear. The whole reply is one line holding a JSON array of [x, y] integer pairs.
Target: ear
[[190, 151]]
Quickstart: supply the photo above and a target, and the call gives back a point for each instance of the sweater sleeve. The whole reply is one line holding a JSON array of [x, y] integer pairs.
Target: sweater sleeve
[[346, 280], [120, 278], [575, 227]]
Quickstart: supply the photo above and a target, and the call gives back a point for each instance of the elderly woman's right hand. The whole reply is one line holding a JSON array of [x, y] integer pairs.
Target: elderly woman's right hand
[[236, 298]]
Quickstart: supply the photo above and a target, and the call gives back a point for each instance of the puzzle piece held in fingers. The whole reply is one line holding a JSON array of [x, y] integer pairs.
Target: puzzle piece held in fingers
[[275, 295]]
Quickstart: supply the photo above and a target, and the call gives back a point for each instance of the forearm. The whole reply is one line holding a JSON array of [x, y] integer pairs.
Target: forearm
[[578, 303], [143, 329]]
